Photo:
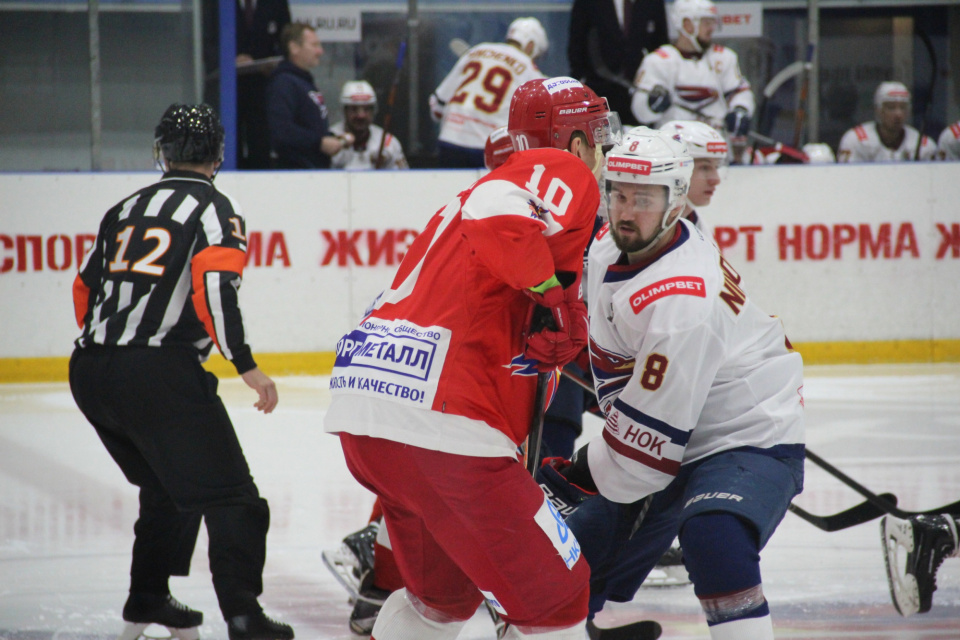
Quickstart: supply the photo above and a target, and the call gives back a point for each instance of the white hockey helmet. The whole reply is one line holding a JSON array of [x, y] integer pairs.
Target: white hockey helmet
[[819, 153], [695, 10], [358, 93], [526, 30], [702, 140], [891, 92], [648, 156]]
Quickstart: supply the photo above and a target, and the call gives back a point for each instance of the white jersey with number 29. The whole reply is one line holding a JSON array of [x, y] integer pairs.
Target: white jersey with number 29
[[474, 98]]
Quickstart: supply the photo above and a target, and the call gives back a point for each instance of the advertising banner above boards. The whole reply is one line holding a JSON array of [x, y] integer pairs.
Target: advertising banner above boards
[[852, 253]]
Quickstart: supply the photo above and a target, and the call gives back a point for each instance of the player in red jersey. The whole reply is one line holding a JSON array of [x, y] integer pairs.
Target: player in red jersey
[[434, 390]]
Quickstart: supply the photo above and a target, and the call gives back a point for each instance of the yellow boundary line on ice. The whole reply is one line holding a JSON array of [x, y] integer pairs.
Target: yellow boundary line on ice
[[321, 363]]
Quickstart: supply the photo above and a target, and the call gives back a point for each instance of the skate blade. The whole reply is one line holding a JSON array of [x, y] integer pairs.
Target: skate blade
[[897, 534], [342, 570], [150, 631]]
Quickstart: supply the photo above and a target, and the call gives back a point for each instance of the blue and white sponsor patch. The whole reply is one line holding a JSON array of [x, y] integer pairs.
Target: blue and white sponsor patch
[[391, 359], [559, 533]]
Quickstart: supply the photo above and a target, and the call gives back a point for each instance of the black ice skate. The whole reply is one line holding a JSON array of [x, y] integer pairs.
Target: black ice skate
[[258, 626], [351, 563], [669, 571], [927, 540], [143, 609], [367, 608]]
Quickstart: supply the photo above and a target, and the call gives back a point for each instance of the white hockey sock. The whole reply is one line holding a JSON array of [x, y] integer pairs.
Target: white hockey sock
[[400, 620], [744, 629], [576, 632]]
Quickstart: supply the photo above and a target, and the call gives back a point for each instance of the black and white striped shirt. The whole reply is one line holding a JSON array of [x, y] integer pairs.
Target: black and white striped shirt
[[165, 271]]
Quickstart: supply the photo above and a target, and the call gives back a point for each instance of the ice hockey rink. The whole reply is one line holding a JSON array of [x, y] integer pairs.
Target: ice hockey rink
[[67, 514]]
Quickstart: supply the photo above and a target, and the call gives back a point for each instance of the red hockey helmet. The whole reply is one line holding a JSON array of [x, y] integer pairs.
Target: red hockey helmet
[[545, 112], [498, 148]]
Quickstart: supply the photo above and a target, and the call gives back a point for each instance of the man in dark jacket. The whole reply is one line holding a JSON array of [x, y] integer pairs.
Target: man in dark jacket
[[608, 39], [300, 136]]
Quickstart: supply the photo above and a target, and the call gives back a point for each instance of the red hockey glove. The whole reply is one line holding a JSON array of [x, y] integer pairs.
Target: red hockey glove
[[555, 338]]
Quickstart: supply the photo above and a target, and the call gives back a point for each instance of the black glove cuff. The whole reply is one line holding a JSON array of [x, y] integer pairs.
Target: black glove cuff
[[578, 472]]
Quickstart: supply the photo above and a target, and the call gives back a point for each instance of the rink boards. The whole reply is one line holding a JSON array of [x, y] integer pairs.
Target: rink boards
[[862, 262]]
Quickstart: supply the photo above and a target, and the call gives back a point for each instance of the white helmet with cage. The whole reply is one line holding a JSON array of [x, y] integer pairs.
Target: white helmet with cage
[[523, 31], [358, 93], [702, 140], [694, 10], [648, 156]]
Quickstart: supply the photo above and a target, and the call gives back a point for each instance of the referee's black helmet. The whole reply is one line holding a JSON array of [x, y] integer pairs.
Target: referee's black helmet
[[189, 133]]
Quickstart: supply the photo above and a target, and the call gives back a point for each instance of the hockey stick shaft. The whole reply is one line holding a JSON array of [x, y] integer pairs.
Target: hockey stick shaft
[[802, 103], [391, 99], [535, 435], [873, 498], [857, 514]]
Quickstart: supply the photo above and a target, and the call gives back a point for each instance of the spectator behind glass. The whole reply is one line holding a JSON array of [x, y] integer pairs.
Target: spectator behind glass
[[300, 136], [608, 40], [888, 138], [373, 148], [259, 23]]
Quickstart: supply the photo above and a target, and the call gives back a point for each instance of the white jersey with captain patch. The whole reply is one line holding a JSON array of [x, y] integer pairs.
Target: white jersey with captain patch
[[701, 88], [352, 158], [685, 366], [474, 98], [863, 144]]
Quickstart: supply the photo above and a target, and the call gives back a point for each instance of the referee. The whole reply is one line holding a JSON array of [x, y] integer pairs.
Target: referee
[[153, 295]]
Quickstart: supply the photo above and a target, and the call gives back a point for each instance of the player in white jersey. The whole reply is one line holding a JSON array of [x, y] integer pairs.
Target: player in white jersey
[[703, 402], [694, 79], [888, 138], [474, 98], [948, 146], [370, 150], [710, 158]]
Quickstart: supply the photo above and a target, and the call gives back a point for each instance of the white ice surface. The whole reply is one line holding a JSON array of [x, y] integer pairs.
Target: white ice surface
[[67, 514]]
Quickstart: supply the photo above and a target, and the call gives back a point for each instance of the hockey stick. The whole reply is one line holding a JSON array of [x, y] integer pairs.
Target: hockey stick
[[391, 99], [874, 499], [601, 68], [857, 514], [535, 435], [802, 103], [933, 83], [642, 630]]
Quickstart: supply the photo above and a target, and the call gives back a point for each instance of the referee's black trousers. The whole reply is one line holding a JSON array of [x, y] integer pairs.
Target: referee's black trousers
[[158, 414]]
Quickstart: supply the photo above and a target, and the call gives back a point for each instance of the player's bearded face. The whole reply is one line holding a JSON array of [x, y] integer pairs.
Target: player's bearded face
[[636, 214]]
